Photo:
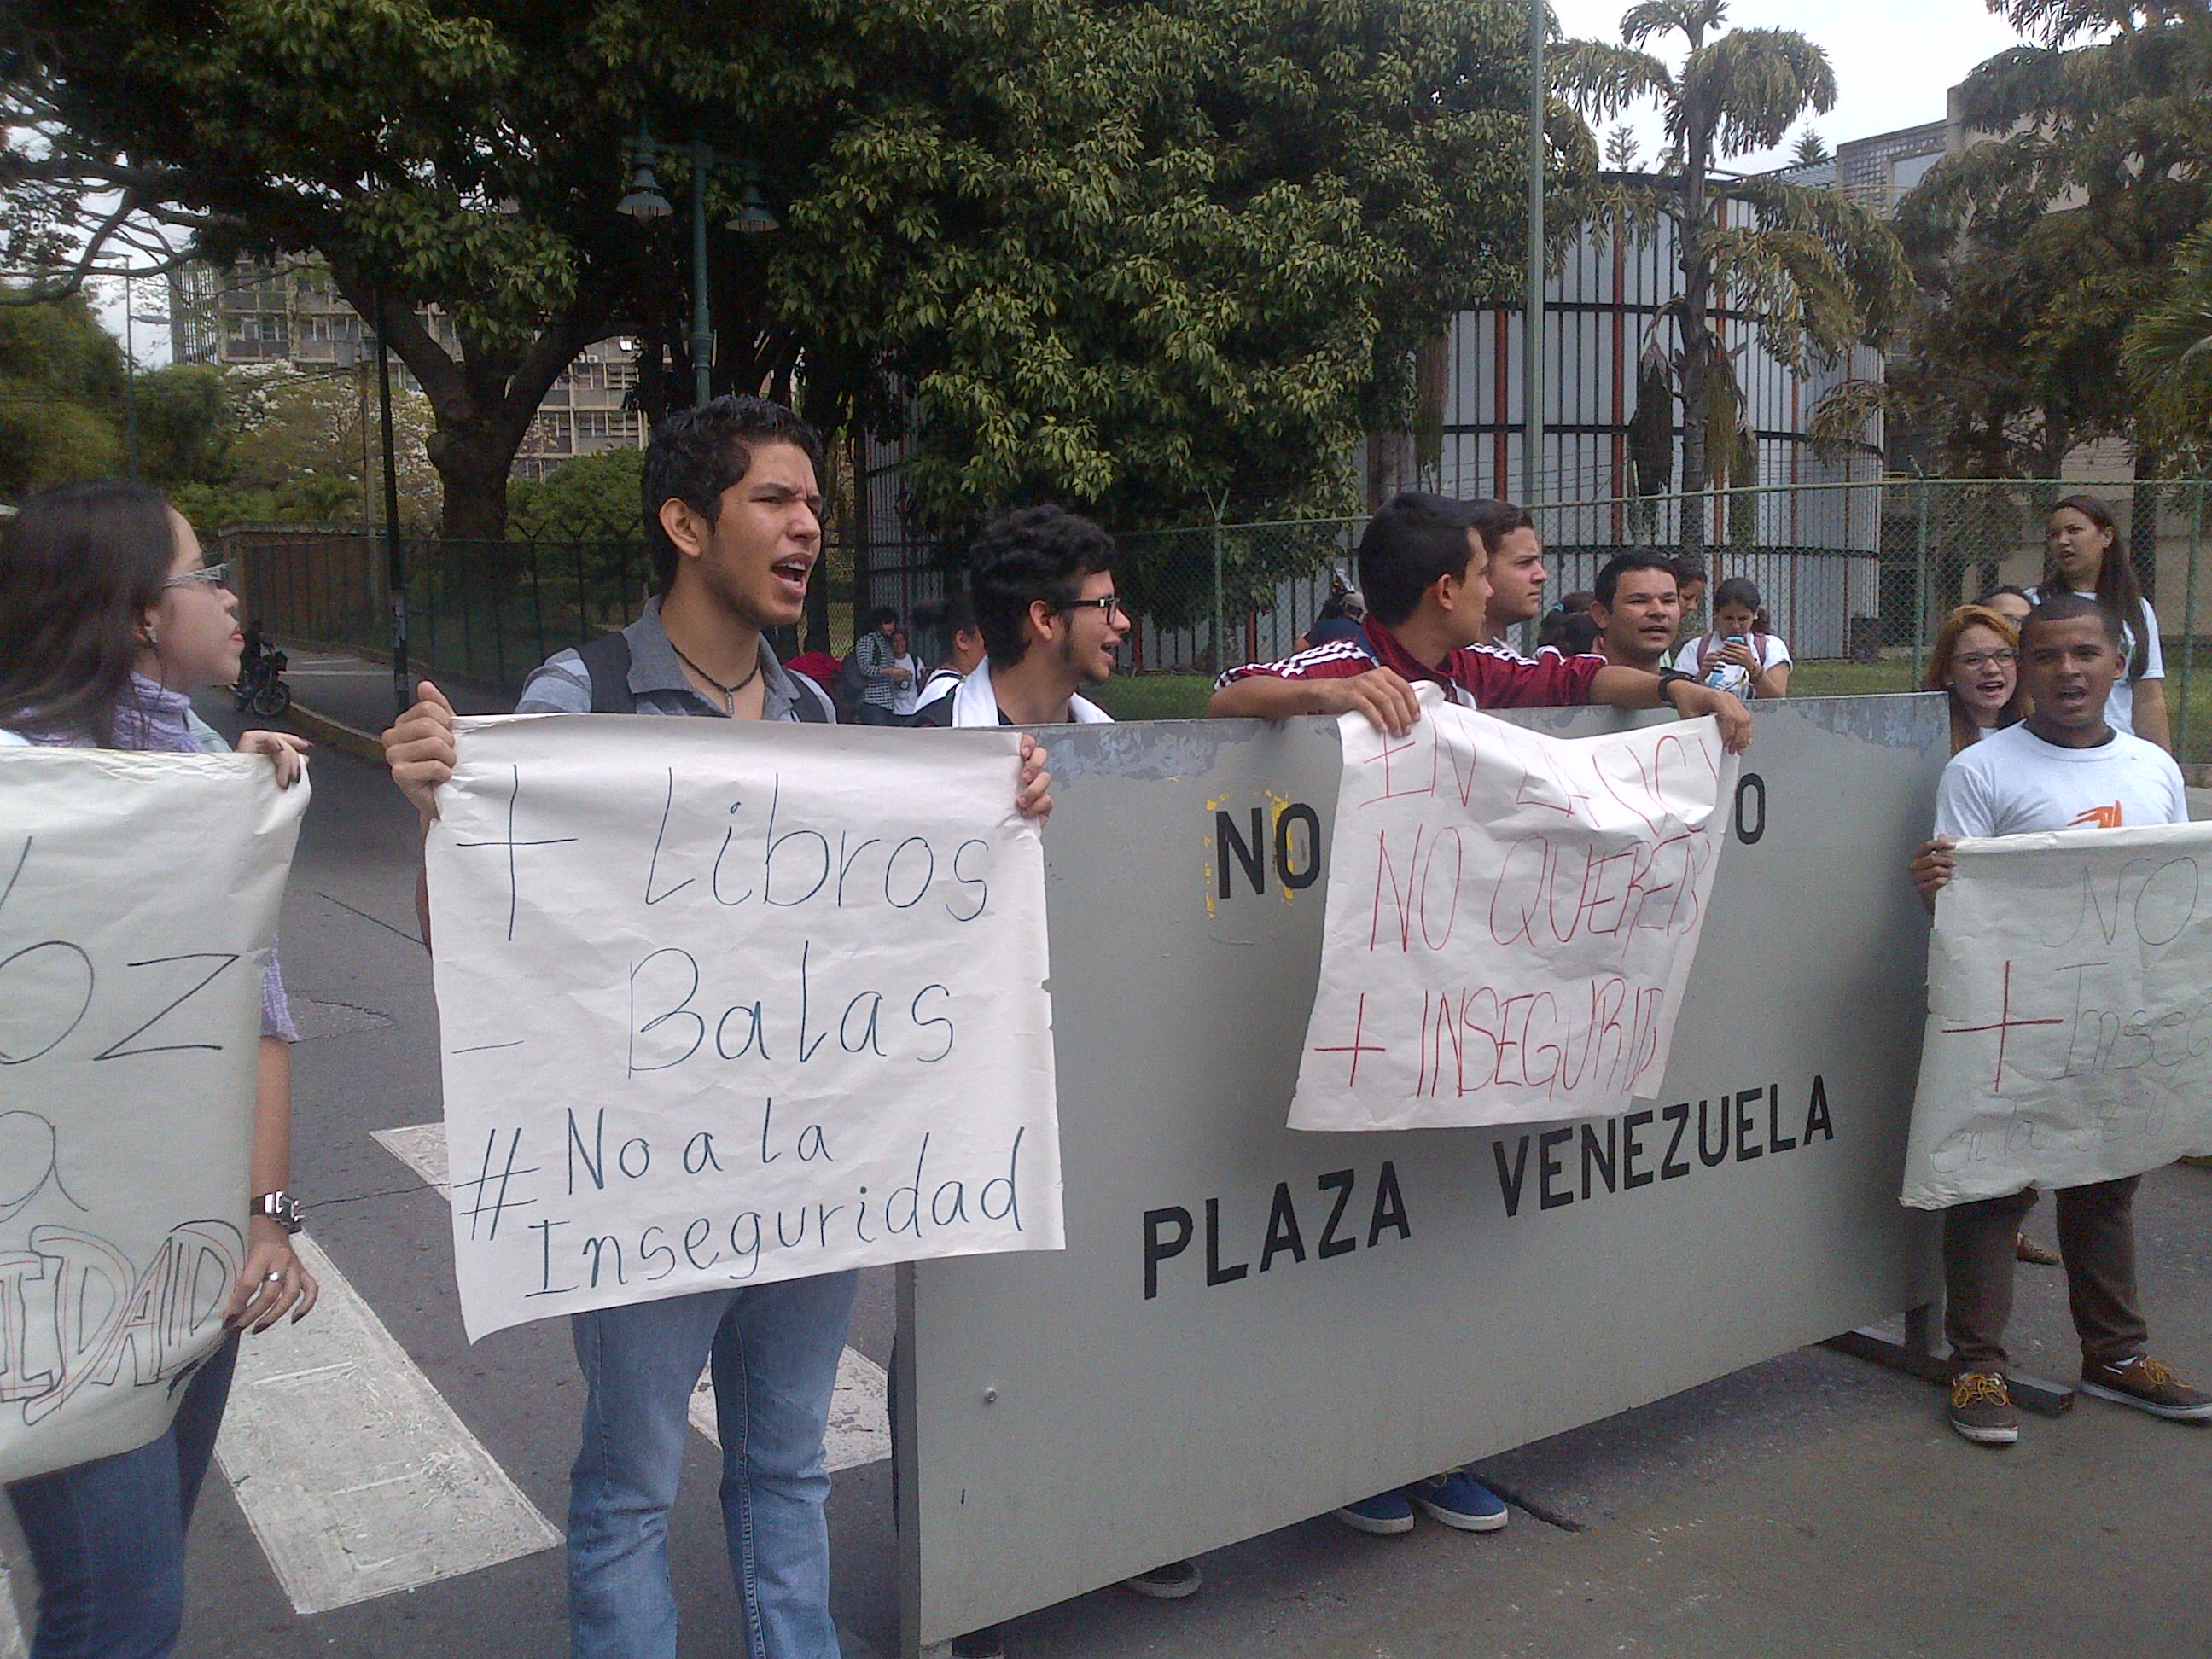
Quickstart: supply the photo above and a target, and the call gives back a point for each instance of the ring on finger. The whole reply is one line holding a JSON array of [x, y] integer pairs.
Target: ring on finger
[[277, 1277]]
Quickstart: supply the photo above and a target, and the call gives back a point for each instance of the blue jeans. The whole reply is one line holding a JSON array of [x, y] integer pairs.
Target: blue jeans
[[108, 1537], [774, 1351]]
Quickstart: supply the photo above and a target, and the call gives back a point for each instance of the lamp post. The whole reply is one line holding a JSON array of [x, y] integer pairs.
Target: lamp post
[[644, 202], [1532, 311]]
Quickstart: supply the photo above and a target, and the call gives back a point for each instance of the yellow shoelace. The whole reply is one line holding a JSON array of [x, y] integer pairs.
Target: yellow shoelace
[[2155, 1373], [1978, 1386]]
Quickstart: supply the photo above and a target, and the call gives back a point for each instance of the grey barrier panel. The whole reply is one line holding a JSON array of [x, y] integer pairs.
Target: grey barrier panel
[[1248, 1325]]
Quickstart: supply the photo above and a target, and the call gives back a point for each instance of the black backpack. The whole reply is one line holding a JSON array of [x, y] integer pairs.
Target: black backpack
[[606, 659]]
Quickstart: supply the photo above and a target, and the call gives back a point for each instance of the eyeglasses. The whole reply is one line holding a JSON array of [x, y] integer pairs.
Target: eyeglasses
[[208, 576], [1109, 604], [1974, 660]]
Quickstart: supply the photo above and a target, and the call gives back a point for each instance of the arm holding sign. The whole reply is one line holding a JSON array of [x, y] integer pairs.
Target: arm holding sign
[[1963, 807], [273, 1282], [1385, 697], [1632, 688], [419, 749]]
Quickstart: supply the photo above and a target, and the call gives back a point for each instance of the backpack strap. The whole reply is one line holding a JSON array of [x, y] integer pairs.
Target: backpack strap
[[606, 659], [812, 703]]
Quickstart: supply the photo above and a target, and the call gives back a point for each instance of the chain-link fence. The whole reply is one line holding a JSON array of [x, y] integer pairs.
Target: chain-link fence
[[1857, 578], [488, 611]]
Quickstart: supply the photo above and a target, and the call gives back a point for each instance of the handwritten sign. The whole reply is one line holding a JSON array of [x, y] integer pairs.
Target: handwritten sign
[[1511, 920], [730, 1003], [138, 896], [2069, 1013]]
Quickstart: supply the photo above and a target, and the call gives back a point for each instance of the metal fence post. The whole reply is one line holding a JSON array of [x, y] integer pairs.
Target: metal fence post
[[1220, 608], [2189, 620], [1920, 586]]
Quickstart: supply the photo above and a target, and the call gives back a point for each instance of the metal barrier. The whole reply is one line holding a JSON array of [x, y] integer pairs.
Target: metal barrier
[[1248, 1325]]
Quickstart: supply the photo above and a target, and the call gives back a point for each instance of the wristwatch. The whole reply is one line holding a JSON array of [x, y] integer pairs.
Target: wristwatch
[[281, 1207], [1673, 677]]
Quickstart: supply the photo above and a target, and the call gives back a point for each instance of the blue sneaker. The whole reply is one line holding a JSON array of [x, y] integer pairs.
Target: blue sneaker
[[1385, 1512], [1459, 1500]]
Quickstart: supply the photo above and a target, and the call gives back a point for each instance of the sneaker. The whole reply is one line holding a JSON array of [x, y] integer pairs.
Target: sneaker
[[2149, 1386], [1460, 1501], [984, 1644], [2034, 1251], [1981, 1409], [1169, 1583], [1385, 1512]]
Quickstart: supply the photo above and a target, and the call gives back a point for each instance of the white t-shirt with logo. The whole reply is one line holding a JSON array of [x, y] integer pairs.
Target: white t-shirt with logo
[[1690, 659], [2120, 707], [2013, 783]]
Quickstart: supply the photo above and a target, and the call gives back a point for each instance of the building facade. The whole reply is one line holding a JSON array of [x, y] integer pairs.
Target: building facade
[[293, 314]]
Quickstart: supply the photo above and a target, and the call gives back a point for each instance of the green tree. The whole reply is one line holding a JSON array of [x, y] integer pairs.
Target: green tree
[[592, 498], [1126, 253], [2169, 357], [1814, 272], [61, 396], [187, 424], [2039, 247]]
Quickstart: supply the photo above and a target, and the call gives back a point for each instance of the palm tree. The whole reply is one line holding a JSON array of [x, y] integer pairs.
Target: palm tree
[[2169, 356], [1814, 272]]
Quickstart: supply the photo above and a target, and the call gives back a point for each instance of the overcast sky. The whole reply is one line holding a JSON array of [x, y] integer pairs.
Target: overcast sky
[[1894, 59]]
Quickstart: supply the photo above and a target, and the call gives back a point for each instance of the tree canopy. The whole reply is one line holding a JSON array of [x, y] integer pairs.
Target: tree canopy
[[61, 397], [2039, 247], [1129, 254]]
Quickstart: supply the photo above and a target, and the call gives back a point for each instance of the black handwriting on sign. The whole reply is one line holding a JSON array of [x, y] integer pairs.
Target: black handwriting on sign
[[76, 1299], [514, 888]]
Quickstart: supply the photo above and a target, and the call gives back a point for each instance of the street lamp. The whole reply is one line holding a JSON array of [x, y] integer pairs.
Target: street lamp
[[645, 201]]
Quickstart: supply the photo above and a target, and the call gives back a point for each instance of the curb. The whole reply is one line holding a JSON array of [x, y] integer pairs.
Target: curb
[[337, 733]]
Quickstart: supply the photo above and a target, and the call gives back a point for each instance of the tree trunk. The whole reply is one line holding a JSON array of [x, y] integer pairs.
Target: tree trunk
[[1697, 344], [473, 459]]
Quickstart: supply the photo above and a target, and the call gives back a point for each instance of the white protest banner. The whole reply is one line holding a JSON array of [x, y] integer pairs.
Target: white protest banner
[[2069, 1013], [725, 1002], [138, 896], [1511, 920]]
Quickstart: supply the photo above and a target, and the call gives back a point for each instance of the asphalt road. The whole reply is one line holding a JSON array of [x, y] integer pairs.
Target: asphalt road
[[1811, 1504]]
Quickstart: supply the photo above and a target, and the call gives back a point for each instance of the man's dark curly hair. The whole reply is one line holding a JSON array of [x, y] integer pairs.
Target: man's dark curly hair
[[1030, 553], [697, 453]]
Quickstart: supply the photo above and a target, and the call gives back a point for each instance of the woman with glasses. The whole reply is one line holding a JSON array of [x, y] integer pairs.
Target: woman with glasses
[[1977, 661], [109, 620]]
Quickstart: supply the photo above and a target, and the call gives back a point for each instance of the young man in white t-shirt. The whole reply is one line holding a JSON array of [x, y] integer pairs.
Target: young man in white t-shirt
[[2062, 767]]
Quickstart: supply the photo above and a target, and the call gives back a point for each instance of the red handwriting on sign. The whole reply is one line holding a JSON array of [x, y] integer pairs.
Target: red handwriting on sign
[[1355, 1047], [2003, 1026], [1482, 1038], [1574, 891], [1426, 894], [1556, 778]]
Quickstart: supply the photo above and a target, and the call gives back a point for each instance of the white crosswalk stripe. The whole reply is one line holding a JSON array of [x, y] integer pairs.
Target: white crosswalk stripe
[[12, 1644], [357, 1478], [859, 1431]]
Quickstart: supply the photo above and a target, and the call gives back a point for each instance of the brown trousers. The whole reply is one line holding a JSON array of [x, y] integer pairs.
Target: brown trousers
[[2096, 1238]]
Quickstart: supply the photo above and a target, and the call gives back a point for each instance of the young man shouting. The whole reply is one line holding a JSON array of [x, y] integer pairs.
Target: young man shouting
[[732, 511], [2062, 767], [1638, 610]]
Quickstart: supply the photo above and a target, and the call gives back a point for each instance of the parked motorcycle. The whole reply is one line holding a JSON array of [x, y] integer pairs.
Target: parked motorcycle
[[261, 685]]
